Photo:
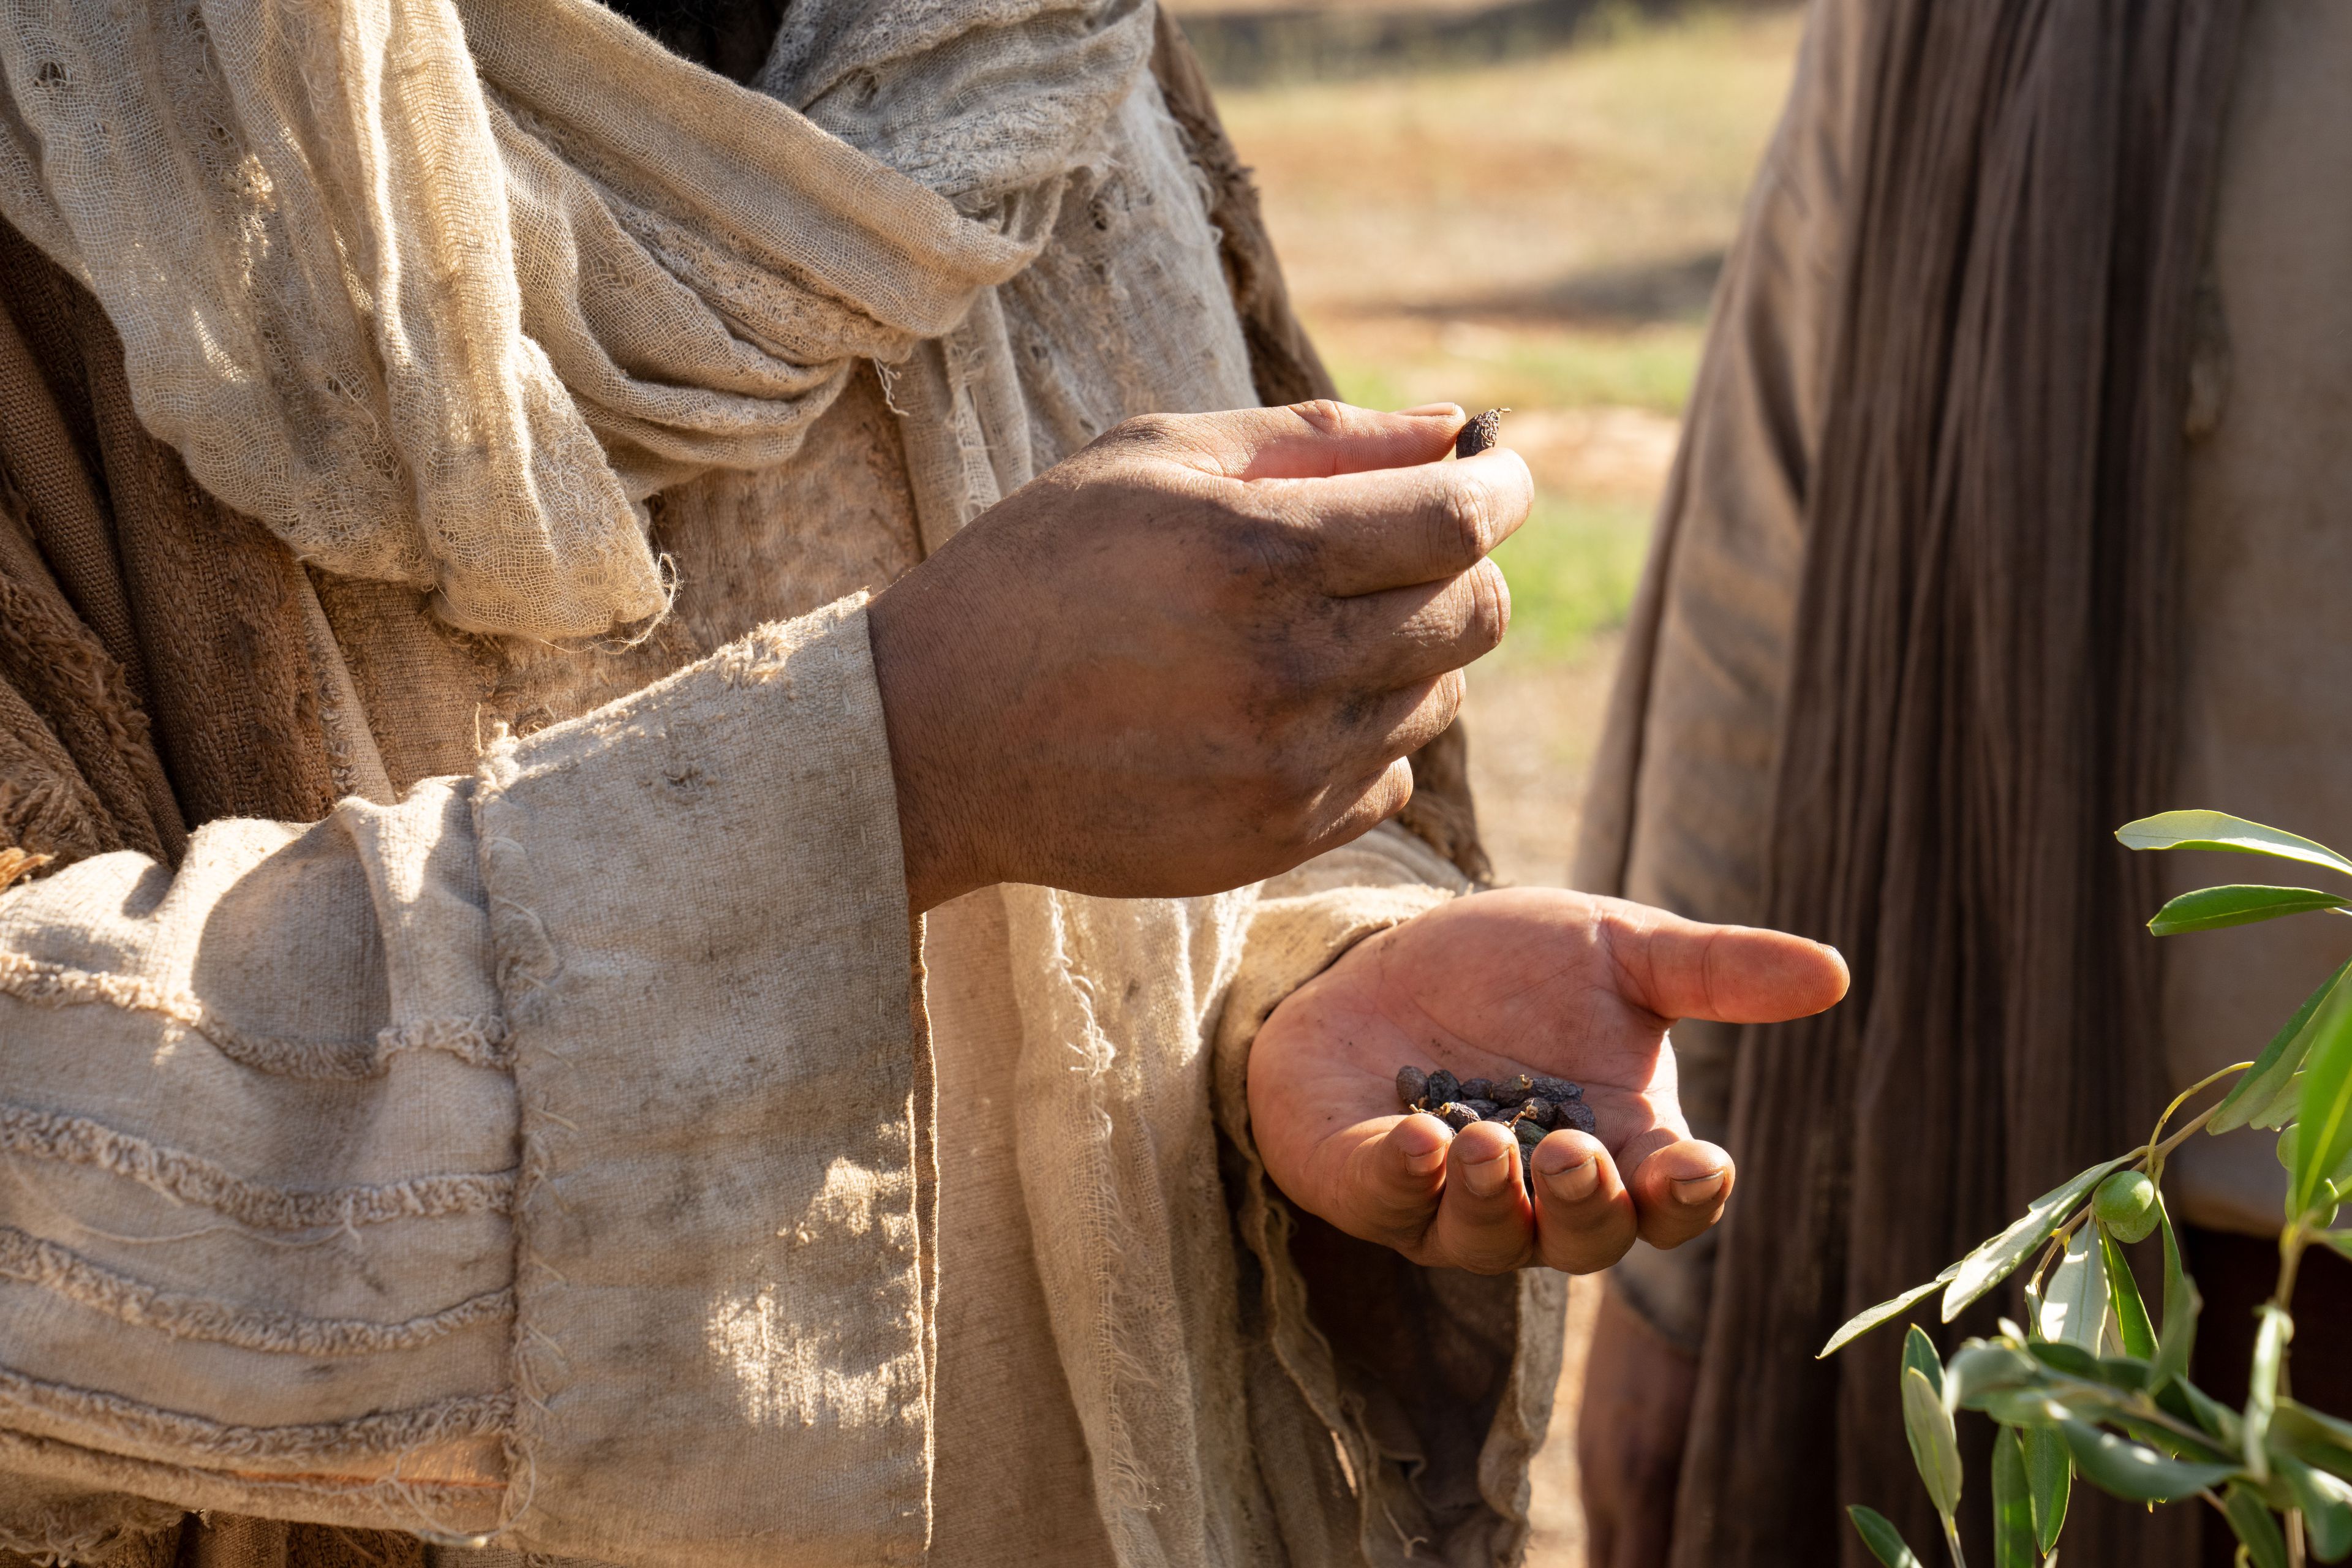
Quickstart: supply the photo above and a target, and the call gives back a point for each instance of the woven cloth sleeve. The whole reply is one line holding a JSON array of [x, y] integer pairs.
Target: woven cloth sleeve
[[533, 1159]]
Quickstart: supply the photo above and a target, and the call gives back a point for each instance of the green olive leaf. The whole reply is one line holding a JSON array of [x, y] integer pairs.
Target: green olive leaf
[[2013, 1544], [2049, 1478], [2326, 1504], [2321, 1441], [2207, 1412], [1995, 1260], [2324, 1118], [1979, 1370], [2135, 1471], [1886, 1541], [2238, 904], [2341, 1240], [2251, 1519], [2276, 1069], [1935, 1447], [1919, 1355], [2220, 830], [2272, 1332], [2181, 1306], [1861, 1322], [2074, 1302], [2132, 1325]]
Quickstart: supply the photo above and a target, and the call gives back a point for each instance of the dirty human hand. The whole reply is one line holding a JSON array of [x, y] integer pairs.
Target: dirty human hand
[[1527, 980], [1194, 654]]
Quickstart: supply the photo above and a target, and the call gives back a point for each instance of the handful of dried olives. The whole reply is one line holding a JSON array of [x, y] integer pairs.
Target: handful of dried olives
[[1531, 1104]]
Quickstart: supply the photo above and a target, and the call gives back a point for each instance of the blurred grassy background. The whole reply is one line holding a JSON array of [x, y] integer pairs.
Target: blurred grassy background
[[1522, 205]]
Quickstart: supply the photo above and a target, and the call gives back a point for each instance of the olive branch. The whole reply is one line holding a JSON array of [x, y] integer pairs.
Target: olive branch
[[2093, 1386]]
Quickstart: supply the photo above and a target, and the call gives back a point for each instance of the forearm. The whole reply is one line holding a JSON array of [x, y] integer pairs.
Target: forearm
[[533, 1153]]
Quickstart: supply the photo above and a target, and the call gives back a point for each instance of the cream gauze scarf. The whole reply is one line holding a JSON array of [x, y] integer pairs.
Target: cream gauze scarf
[[440, 290]]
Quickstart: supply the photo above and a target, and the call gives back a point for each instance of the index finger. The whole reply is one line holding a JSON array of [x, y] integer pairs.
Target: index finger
[[1398, 528], [1313, 440]]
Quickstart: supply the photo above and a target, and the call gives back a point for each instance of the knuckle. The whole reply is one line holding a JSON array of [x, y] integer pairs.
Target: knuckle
[[1323, 415], [1145, 432], [1490, 606], [1465, 524]]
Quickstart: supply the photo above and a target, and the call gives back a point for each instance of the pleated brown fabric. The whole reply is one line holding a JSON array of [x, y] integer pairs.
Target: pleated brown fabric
[[1979, 696], [196, 606]]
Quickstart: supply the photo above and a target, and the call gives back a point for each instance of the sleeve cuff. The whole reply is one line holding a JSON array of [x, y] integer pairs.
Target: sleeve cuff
[[698, 907]]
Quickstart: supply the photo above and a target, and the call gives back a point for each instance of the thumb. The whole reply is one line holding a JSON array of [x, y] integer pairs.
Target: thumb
[[1314, 440], [1734, 974]]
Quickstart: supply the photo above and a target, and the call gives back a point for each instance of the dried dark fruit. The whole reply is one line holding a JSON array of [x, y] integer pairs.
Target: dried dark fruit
[[1555, 1090], [1459, 1116], [1484, 1107], [1528, 1132], [1515, 1090], [1576, 1115], [1479, 1088], [1442, 1087], [1540, 1111], [1412, 1083], [1479, 434]]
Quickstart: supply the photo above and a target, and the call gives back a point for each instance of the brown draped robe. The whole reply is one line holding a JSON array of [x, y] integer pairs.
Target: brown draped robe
[[1977, 693]]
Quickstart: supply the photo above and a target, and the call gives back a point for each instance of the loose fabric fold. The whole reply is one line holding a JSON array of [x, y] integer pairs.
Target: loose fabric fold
[[440, 292]]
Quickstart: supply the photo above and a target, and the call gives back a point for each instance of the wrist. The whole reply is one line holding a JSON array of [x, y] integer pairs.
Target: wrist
[[934, 834]]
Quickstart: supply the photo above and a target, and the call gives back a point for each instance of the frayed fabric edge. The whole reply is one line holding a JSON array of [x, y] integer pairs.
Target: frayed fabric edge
[[482, 1041], [190, 1178], [31, 1260]]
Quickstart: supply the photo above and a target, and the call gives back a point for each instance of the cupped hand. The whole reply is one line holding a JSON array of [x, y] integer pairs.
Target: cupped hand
[[1194, 654], [1525, 980]]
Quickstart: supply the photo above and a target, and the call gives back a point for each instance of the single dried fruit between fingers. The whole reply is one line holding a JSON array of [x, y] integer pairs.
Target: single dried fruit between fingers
[[1479, 435]]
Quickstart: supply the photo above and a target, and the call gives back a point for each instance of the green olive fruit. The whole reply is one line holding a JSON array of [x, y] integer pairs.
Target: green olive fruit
[[2126, 1205]]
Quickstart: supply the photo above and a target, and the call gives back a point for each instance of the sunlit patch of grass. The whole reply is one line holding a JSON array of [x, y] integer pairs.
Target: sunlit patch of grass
[[1572, 569], [1523, 366]]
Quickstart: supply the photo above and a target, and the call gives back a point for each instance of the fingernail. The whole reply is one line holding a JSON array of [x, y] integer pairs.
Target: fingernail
[[1578, 1182], [1422, 1161], [1487, 1177], [1699, 1190]]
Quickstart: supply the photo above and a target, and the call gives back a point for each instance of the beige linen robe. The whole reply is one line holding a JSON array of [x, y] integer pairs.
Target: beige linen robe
[[535, 1155], [2266, 697]]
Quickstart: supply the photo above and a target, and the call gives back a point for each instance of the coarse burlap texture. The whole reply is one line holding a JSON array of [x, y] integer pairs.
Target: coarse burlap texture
[[440, 291], [1214, 1422]]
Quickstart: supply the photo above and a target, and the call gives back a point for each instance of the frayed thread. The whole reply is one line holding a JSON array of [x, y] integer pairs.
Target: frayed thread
[[83, 1529], [190, 1178], [482, 1041], [122, 1422], [183, 1316]]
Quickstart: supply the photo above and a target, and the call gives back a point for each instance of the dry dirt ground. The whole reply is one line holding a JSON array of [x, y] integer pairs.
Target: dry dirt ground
[[1540, 233]]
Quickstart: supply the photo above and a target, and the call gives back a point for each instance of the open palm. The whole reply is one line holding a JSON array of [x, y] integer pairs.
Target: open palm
[[1526, 980]]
